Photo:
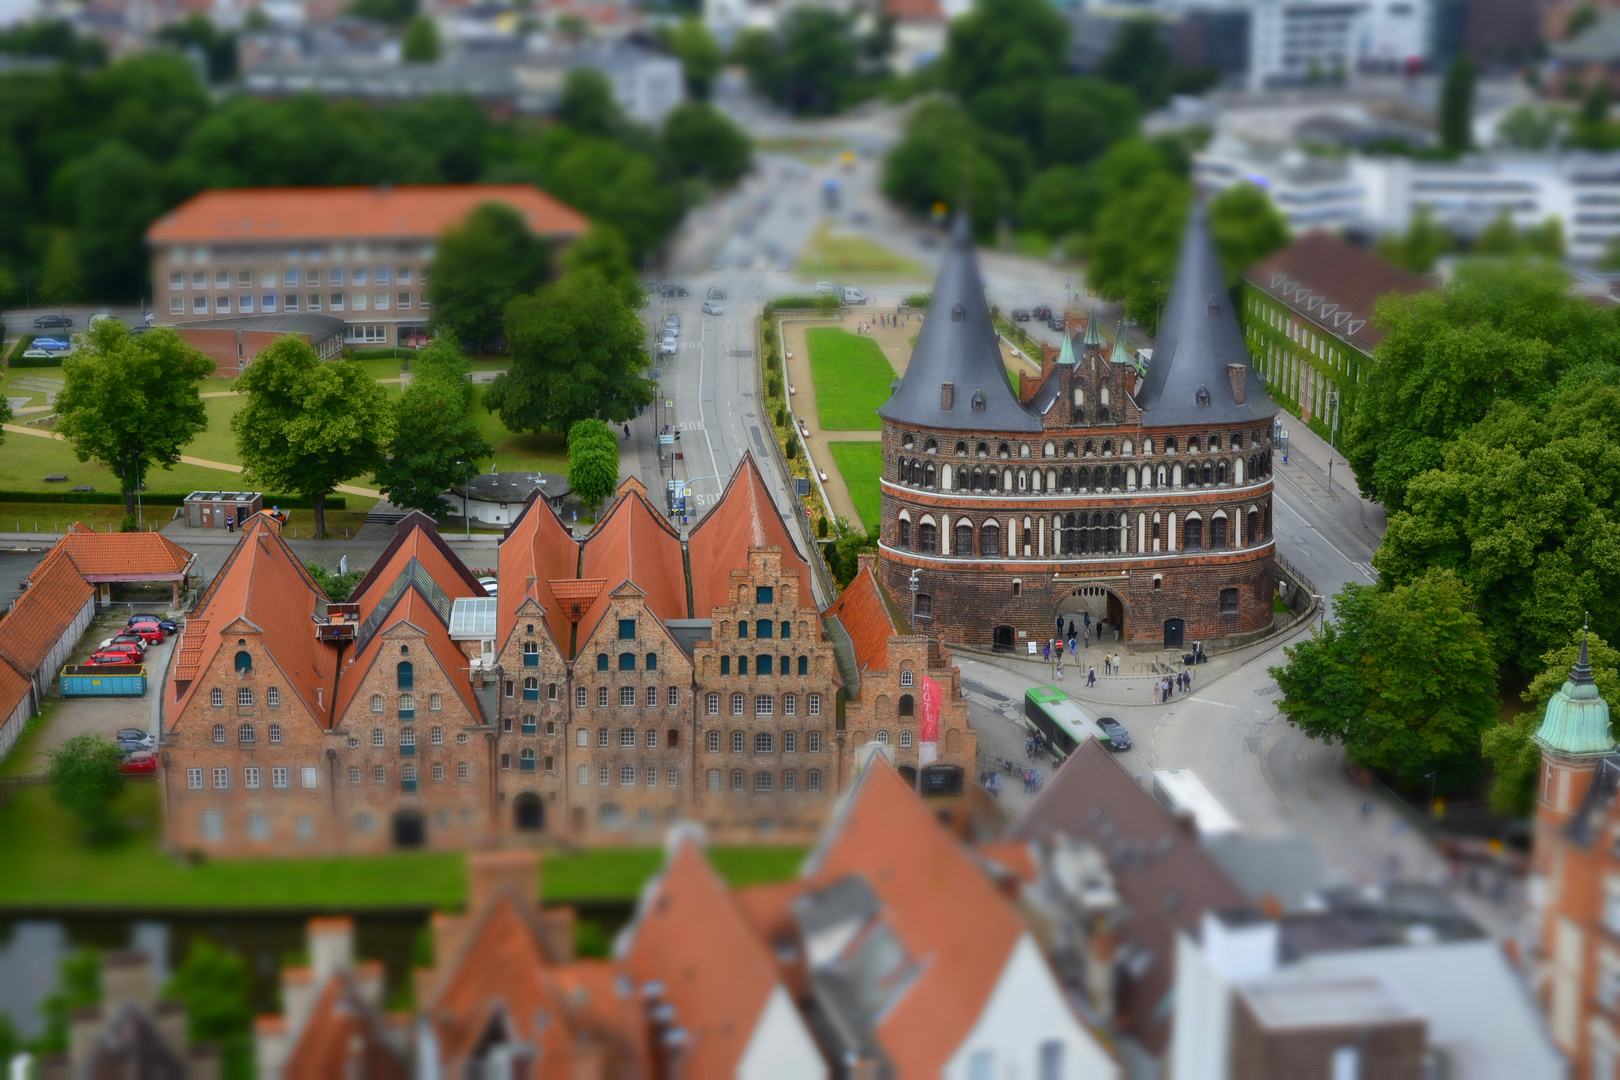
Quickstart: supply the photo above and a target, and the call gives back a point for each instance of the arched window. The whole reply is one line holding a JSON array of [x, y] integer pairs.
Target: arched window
[[787, 630], [907, 677], [219, 733], [652, 661], [764, 628], [1111, 534], [905, 739], [1083, 479], [990, 540], [1108, 446], [1251, 527], [908, 705], [1049, 450], [964, 539], [1170, 444], [1066, 479], [1003, 451], [906, 440], [1220, 472], [244, 733], [601, 661], [928, 475], [926, 537], [978, 479], [1214, 442], [627, 661], [904, 536], [406, 675], [1217, 533], [1192, 444], [982, 450], [931, 447], [1192, 534], [244, 663], [961, 448]]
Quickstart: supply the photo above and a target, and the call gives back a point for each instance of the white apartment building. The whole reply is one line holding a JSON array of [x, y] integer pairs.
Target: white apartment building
[[1294, 42]]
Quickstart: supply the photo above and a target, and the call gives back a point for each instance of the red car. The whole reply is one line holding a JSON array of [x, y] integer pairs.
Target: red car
[[109, 656], [151, 633], [139, 763]]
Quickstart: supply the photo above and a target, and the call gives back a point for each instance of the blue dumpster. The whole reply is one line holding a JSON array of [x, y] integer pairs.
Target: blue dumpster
[[104, 680]]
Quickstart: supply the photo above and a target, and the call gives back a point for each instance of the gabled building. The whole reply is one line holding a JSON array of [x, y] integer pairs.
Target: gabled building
[[131, 1032]]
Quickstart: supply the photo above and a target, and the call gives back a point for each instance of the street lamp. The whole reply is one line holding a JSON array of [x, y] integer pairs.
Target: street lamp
[[1333, 431], [465, 520]]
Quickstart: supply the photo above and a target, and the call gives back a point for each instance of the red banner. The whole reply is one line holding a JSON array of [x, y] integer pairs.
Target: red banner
[[928, 734]]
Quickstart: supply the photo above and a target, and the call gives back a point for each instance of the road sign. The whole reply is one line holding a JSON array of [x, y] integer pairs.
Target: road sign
[[666, 440]]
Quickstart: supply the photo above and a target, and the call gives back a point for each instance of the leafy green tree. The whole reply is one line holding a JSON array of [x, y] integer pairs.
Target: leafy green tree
[[1495, 332], [946, 154], [1457, 105], [131, 402], [809, 66], [337, 587], [588, 105], [1405, 680], [578, 352], [436, 446], [62, 280], [1580, 20], [1501, 238], [1526, 127], [1523, 508], [216, 986], [421, 42], [700, 57], [1061, 201], [1516, 760], [703, 142], [85, 781], [78, 987], [218, 48], [392, 12], [1246, 227], [1425, 241], [1002, 41], [593, 461], [444, 362], [479, 267], [308, 426], [5, 415], [1133, 246], [1139, 58], [605, 250], [608, 181], [1082, 118], [118, 192], [53, 39]]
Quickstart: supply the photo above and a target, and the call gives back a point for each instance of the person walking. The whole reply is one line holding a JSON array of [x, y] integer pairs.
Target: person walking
[[1071, 629], [1046, 652], [1071, 646], [1091, 676]]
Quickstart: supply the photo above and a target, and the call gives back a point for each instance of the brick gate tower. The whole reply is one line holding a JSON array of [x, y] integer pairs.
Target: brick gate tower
[[1140, 493]]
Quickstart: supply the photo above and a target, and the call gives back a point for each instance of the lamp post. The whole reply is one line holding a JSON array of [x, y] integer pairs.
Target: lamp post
[[1333, 431], [465, 520]]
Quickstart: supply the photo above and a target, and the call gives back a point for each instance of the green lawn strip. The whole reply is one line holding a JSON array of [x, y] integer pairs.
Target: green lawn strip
[[861, 465], [25, 461], [852, 379], [12, 376], [48, 865], [839, 253], [519, 451]]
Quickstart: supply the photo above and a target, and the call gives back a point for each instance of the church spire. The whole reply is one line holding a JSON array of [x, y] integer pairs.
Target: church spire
[[1576, 722], [1066, 354], [1093, 342]]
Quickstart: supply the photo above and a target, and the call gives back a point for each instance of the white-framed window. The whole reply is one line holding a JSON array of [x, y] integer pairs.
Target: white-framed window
[[627, 696], [244, 696], [244, 304], [216, 698], [714, 742], [380, 276], [790, 742], [738, 742], [579, 697], [603, 774], [435, 702], [334, 302], [652, 697], [584, 776], [737, 704], [603, 737], [582, 737], [308, 776], [222, 779], [674, 696], [377, 737], [258, 826], [652, 739], [194, 779], [272, 696], [601, 697], [436, 736], [199, 279], [212, 827], [790, 704], [250, 777], [379, 301], [403, 301], [764, 781], [711, 780], [403, 275], [714, 704], [177, 305], [815, 704], [672, 776], [764, 742], [177, 279], [1611, 905], [905, 739], [438, 772], [812, 780], [627, 736], [463, 770], [376, 703], [278, 778], [906, 677], [627, 776], [222, 305], [790, 780], [812, 742], [883, 737], [764, 705], [199, 305], [739, 780], [379, 774], [267, 303], [360, 276], [354, 774], [312, 302]]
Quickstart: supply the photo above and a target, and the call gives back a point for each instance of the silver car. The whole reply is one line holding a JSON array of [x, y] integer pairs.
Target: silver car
[[712, 308]]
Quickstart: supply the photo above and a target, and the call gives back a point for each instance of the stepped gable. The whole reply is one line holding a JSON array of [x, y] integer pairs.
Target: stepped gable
[[266, 586], [634, 543], [537, 555], [1188, 380], [958, 346], [745, 517], [421, 534]]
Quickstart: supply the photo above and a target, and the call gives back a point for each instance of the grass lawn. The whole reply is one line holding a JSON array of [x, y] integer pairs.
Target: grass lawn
[[834, 253], [519, 451], [861, 465], [816, 149], [25, 461], [49, 866], [852, 379], [11, 376]]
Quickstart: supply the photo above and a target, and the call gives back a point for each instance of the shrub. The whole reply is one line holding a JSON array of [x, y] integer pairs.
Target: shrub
[[792, 447], [920, 300], [821, 527], [129, 523], [85, 781]]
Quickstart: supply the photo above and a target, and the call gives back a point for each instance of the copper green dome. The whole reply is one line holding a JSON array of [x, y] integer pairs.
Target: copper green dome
[[1577, 718]]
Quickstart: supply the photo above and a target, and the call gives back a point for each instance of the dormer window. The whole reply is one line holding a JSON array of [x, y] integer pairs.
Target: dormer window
[[1214, 305], [958, 314], [978, 401], [1202, 397]]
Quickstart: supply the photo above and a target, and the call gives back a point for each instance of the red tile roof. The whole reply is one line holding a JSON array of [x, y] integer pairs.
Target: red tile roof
[[864, 615], [690, 934], [421, 534], [537, 551], [946, 912], [14, 689], [1092, 797], [634, 543], [264, 584], [344, 1036], [55, 595], [126, 555], [343, 213], [914, 10], [1334, 283], [745, 517]]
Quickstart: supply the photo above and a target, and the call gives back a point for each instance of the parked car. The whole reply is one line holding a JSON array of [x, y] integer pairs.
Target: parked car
[[667, 347], [133, 734], [677, 290], [132, 645], [716, 293], [116, 658], [673, 321], [138, 763], [53, 344], [1020, 314], [47, 322], [1118, 737], [37, 354], [854, 296], [490, 584], [1056, 323], [712, 308], [130, 746], [1043, 313], [149, 633], [826, 288], [169, 625]]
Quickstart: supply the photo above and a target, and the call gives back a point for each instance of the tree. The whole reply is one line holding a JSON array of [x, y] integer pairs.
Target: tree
[[308, 426], [1082, 118], [421, 43], [588, 105], [1425, 241], [118, 192], [480, 267], [86, 781], [436, 446], [130, 402], [443, 361], [1457, 105], [604, 249], [593, 461], [1000, 41], [703, 142], [809, 65], [608, 181], [62, 280], [945, 155], [1404, 679], [1526, 127], [578, 352], [1496, 331], [393, 12], [215, 985], [78, 987], [1507, 746], [337, 587], [1246, 227], [198, 32], [1133, 248], [700, 57], [1139, 58]]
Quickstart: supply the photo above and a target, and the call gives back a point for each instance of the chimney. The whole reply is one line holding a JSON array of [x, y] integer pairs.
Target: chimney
[[1238, 374], [866, 560], [489, 872], [331, 946], [947, 396]]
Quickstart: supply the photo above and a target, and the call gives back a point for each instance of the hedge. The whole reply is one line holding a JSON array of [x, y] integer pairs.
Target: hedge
[[109, 498], [801, 303], [382, 354], [918, 301], [18, 360]]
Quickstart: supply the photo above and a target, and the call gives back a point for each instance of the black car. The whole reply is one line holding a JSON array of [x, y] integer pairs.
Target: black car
[[1056, 323], [677, 290], [1043, 313], [169, 625], [1021, 314], [1118, 737], [48, 322]]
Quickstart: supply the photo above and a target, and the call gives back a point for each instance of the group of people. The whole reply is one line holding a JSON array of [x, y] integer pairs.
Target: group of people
[[882, 320], [990, 780], [1180, 683]]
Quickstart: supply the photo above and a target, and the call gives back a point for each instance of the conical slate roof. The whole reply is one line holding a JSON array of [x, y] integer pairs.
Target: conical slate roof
[[958, 346], [1187, 379], [1577, 718]]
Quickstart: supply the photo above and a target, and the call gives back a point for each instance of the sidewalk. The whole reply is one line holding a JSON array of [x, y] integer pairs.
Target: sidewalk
[[1307, 469]]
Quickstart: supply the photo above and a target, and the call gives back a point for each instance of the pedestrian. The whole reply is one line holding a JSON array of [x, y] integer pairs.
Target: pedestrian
[[1071, 629], [1046, 652], [1071, 646], [627, 431], [1088, 621], [1091, 676]]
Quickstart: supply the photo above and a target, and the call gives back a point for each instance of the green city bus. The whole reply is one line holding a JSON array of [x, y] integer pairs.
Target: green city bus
[[1050, 713]]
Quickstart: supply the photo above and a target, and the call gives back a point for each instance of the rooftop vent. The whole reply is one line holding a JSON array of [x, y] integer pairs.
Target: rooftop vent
[[958, 313], [1202, 397], [1214, 304]]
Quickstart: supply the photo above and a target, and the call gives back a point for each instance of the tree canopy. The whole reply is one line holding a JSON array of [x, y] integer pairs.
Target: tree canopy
[[593, 461], [479, 267], [808, 64], [1404, 679], [705, 143], [131, 402], [86, 780], [700, 56], [437, 444], [308, 426]]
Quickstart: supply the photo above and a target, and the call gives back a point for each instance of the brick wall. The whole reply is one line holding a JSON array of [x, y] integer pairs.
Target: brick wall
[[883, 714], [532, 721], [221, 346]]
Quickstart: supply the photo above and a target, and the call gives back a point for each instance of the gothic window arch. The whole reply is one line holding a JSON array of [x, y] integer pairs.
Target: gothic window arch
[[1071, 534], [931, 446], [1049, 450], [982, 450], [1192, 533], [1070, 449], [1083, 478], [1004, 451], [907, 441], [961, 448], [1192, 444], [964, 537], [927, 536], [1113, 477], [928, 475], [1209, 473], [1091, 447], [903, 537], [990, 540], [1220, 472], [1067, 479], [1217, 531], [1108, 446]]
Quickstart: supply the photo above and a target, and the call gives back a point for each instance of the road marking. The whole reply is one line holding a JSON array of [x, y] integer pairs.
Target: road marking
[[1354, 565], [1221, 704]]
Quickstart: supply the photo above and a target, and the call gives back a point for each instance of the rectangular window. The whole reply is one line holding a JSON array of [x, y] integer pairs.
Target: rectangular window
[[815, 704], [674, 695], [582, 737], [312, 277], [764, 781], [790, 742], [250, 778], [737, 701], [337, 275], [790, 704], [584, 776], [289, 278], [177, 305], [308, 776], [177, 280], [359, 275], [1051, 1064], [579, 697], [627, 629], [739, 780], [199, 279], [360, 301], [194, 779], [380, 301], [601, 697], [267, 302], [403, 275], [812, 780], [764, 705], [463, 770], [222, 279], [812, 742], [602, 775], [335, 302], [714, 704], [627, 736], [790, 781], [211, 827], [763, 594], [627, 696], [381, 277], [313, 302], [652, 740], [278, 778], [403, 301], [354, 774], [199, 304], [222, 779], [671, 776], [223, 305], [290, 302]]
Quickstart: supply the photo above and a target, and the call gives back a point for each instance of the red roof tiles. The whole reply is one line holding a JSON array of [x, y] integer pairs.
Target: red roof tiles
[[745, 517], [634, 543], [55, 595], [864, 615], [343, 1037], [124, 555], [1333, 282], [536, 552], [342, 213]]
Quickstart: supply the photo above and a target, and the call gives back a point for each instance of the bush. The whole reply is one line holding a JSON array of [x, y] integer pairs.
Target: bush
[[129, 523], [920, 300], [792, 447], [148, 498], [821, 527], [781, 416], [85, 781], [18, 360], [801, 303], [380, 354]]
